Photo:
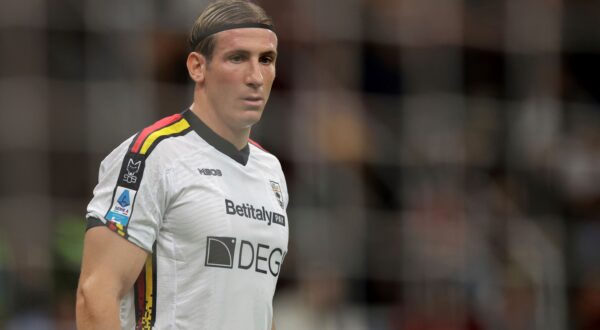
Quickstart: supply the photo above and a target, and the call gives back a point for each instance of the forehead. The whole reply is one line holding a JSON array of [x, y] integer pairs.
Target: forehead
[[249, 39]]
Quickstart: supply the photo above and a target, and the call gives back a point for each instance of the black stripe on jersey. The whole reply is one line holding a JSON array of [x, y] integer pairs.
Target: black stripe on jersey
[[145, 307], [212, 138], [93, 222], [154, 286], [139, 297], [131, 175], [132, 170]]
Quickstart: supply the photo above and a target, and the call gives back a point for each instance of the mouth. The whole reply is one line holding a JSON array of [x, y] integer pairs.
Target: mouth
[[253, 101]]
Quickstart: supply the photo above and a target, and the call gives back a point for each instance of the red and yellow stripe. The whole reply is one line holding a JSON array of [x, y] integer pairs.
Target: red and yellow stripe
[[167, 126], [145, 295]]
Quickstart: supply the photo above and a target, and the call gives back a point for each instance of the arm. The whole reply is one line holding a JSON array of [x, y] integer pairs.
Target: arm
[[273, 325], [109, 269]]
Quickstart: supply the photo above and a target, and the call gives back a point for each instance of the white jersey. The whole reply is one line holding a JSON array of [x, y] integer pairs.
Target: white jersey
[[212, 218]]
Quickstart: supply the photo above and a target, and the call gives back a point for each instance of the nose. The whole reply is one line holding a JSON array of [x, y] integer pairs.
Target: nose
[[254, 78]]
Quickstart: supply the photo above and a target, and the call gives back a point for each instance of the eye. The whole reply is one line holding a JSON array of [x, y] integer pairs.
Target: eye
[[267, 59], [236, 58]]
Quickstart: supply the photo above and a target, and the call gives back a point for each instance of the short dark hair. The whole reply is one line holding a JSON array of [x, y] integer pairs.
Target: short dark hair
[[222, 12]]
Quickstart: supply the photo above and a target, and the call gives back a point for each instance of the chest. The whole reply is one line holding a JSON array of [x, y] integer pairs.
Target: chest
[[223, 210]]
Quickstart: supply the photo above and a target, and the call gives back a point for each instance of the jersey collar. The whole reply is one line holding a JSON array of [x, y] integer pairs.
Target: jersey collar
[[212, 138]]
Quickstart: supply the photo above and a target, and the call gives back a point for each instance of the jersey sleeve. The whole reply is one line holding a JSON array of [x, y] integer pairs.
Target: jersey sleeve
[[130, 196]]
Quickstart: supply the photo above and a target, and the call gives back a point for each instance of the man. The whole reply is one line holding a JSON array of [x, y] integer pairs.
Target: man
[[187, 228]]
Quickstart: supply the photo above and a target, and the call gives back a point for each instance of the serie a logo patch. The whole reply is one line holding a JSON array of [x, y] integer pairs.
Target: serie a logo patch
[[121, 206]]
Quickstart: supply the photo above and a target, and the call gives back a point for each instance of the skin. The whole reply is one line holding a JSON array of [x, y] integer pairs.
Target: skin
[[230, 93], [232, 88], [104, 279]]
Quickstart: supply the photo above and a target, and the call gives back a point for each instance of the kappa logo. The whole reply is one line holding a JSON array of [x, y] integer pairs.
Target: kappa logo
[[132, 169], [210, 172], [277, 191]]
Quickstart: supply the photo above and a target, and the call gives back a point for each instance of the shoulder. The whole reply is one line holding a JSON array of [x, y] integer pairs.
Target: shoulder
[[257, 145], [264, 157], [148, 139], [137, 149], [261, 153]]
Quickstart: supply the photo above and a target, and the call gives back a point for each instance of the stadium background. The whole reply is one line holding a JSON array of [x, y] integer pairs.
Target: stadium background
[[443, 157]]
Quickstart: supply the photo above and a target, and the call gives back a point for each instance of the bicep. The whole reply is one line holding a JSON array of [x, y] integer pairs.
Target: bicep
[[110, 262]]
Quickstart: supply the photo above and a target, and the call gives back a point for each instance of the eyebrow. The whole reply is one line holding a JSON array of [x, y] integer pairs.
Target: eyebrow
[[246, 53], [269, 52]]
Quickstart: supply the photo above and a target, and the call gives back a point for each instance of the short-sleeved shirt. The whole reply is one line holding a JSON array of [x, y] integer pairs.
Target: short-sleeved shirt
[[212, 218]]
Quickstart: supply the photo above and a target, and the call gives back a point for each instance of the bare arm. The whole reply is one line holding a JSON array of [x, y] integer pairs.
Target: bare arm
[[109, 268]]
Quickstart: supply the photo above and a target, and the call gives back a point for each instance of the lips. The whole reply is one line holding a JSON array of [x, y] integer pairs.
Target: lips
[[253, 102]]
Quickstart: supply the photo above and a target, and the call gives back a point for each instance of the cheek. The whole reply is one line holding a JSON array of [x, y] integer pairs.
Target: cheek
[[228, 78], [227, 75], [269, 74]]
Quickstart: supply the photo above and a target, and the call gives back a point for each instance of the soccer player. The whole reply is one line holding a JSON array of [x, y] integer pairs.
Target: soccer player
[[187, 228]]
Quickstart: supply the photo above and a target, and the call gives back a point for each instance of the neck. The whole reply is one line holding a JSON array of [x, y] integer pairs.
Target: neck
[[237, 137]]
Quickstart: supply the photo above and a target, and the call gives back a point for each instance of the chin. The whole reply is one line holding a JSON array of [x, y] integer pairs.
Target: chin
[[251, 117]]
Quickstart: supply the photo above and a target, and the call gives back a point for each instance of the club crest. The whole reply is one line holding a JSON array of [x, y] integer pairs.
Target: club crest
[[277, 191]]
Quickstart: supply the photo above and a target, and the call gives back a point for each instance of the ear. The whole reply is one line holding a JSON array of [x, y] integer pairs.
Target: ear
[[196, 65]]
